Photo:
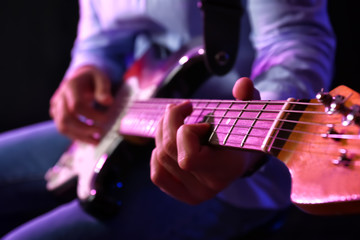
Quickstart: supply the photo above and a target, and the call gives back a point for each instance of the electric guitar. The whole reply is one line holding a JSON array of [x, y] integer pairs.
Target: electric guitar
[[317, 139]]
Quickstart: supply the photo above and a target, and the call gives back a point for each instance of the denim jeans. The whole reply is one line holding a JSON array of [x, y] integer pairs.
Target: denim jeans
[[25, 156]]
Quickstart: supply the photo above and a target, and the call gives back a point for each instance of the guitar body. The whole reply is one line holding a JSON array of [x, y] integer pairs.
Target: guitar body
[[97, 173]]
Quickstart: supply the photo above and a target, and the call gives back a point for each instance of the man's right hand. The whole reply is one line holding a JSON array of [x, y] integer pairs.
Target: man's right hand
[[72, 105]]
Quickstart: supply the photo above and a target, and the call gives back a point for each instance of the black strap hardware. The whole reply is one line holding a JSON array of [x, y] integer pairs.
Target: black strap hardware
[[221, 33]]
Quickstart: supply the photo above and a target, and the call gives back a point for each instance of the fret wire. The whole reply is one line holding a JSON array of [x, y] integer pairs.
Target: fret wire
[[244, 134], [153, 128], [201, 113], [149, 125], [252, 125], [235, 122], [213, 132], [220, 121], [270, 141]]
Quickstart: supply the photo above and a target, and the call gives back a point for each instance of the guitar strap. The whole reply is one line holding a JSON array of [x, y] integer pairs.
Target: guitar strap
[[221, 33]]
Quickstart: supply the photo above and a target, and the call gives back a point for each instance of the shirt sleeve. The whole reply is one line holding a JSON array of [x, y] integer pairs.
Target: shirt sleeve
[[295, 47], [100, 41], [112, 33]]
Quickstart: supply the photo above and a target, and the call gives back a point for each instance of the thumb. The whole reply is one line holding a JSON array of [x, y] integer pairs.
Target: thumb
[[244, 89], [102, 89]]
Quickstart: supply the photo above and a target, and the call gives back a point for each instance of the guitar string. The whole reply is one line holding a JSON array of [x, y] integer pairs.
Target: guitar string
[[231, 143], [174, 100], [144, 106], [343, 136], [258, 146], [159, 114], [232, 103], [151, 131], [161, 110], [312, 151], [137, 104], [236, 127], [329, 151], [248, 110], [336, 136], [179, 100], [235, 133], [278, 138], [247, 145], [162, 103], [312, 145], [335, 154]]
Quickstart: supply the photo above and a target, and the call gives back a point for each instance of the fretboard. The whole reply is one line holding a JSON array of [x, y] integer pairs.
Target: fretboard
[[238, 124]]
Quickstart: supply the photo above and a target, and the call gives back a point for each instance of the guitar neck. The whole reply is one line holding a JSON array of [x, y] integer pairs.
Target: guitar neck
[[251, 125]]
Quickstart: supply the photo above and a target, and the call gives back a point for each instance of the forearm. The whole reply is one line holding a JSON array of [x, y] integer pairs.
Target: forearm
[[295, 48], [106, 58]]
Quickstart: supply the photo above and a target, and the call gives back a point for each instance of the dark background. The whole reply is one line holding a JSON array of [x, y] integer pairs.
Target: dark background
[[35, 42]]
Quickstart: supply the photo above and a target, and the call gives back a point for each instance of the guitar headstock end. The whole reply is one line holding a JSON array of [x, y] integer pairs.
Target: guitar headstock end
[[339, 103]]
